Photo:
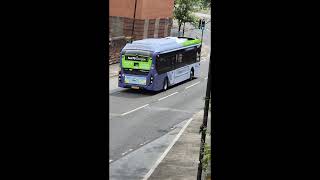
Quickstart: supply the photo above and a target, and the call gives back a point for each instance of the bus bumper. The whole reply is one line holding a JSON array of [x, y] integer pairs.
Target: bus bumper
[[148, 87]]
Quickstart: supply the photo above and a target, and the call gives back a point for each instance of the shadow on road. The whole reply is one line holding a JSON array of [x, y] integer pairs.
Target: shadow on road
[[133, 93]]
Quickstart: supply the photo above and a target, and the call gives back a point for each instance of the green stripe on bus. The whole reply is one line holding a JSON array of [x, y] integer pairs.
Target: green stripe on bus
[[191, 42]]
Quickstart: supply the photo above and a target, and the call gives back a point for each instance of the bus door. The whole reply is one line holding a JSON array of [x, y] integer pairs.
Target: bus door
[[170, 74], [165, 66]]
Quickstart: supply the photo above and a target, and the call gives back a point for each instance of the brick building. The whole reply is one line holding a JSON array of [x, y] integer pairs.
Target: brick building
[[153, 19]]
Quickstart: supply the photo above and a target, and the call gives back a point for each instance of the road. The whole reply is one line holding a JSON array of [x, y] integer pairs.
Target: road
[[138, 118], [142, 124]]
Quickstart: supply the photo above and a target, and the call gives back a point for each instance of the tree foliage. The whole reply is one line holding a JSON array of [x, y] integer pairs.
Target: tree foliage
[[206, 157], [183, 10], [205, 3]]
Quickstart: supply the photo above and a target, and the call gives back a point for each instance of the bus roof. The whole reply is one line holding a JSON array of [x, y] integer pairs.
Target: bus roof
[[162, 44]]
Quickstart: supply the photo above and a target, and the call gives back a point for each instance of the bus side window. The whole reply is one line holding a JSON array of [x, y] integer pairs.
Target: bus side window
[[168, 63], [164, 66], [173, 61], [179, 61], [194, 56], [160, 64], [189, 57], [165, 63], [198, 54]]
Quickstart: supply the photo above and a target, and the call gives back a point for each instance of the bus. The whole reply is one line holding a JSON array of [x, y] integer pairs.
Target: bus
[[156, 64]]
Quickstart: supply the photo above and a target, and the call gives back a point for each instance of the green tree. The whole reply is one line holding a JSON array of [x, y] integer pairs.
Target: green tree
[[190, 19], [183, 10]]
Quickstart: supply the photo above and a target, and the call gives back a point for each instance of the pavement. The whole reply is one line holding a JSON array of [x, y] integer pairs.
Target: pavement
[[114, 70], [202, 15], [181, 162]]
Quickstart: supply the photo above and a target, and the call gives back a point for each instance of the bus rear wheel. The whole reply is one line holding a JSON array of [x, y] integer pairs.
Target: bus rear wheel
[[165, 84], [191, 74]]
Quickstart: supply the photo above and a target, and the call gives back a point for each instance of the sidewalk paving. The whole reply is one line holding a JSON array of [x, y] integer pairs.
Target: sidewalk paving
[[181, 163], [114, 70]]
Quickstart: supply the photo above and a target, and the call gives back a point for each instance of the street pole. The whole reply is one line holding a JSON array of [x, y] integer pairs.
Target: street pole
[[201, 25], [134, 18], [202, 36], [203, 127], [184, 24]]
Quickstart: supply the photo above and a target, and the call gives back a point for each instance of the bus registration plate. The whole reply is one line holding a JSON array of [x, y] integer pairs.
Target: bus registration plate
[[135, 87], [135, 80]]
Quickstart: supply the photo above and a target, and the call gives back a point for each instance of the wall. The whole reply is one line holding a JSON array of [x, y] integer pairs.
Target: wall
[[152, 9], [153, 20], [122, 27], [121, 8], [143, 28], [146, 9], [115, 46]]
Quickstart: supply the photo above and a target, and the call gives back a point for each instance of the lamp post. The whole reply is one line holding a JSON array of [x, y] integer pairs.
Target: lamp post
[[203, 127], [202, 24]]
